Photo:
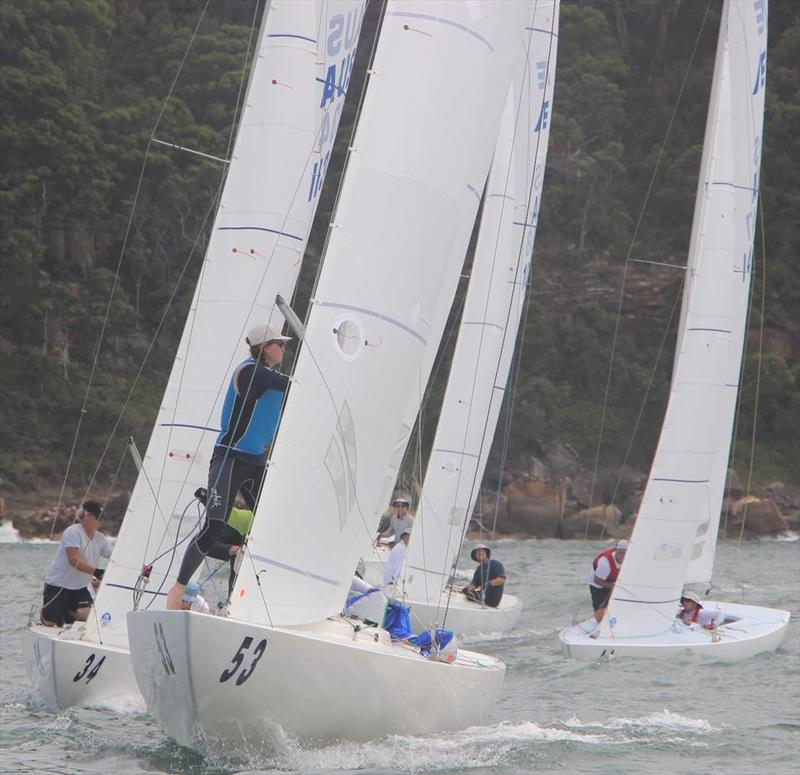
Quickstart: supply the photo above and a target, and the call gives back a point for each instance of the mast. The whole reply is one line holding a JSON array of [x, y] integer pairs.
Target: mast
[[294, 99], [422, 148], [492, 312], [675, 535]]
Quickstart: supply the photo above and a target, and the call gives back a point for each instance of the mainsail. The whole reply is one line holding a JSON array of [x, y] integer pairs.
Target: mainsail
[[675, 535], [298, 80], [421, 151], [492, 310]]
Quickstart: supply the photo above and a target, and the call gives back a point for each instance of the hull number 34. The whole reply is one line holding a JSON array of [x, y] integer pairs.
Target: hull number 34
[[239, 658]]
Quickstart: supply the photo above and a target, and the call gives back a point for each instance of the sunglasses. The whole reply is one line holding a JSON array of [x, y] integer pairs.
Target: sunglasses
[[278, 342]]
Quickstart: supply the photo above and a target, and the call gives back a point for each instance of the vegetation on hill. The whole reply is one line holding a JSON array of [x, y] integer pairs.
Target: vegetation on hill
[[84, 82]]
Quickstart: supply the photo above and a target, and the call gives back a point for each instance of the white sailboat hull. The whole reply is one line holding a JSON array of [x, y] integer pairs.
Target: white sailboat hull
[[65, 671], [755, 630], [318, 682], [464, 617]]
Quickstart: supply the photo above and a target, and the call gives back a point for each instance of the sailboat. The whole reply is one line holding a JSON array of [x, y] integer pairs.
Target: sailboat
[[674, 539], [487, 333], [285, 656], [299, 76]]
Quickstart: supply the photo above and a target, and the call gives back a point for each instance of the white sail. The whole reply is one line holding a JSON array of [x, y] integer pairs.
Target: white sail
[[422, 147], [492, 311], [304, 58], [675, 533]]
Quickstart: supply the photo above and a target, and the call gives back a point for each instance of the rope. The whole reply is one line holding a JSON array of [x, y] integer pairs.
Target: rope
[[115, 282], [626, 264], [628, 260], [761, 327]]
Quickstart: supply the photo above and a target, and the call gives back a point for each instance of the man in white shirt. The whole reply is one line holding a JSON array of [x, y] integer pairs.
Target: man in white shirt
[[394, 565], [398, 521], [66, 595], [603, 575]]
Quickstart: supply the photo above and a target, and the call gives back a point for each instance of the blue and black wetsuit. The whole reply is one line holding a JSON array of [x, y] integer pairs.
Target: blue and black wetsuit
[[250, 416]]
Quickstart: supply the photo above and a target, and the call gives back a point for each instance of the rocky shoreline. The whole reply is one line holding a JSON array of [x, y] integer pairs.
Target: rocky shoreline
[[550, 498], [554, 498]]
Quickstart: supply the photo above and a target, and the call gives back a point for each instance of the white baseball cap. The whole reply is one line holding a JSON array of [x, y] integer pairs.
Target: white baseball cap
[[260, 334]]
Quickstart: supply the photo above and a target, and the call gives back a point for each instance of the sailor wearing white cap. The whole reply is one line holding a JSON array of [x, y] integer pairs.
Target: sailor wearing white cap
[[250, 415], [692, 611]]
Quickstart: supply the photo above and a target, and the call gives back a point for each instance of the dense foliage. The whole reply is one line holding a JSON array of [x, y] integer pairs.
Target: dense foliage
[[83, 89]]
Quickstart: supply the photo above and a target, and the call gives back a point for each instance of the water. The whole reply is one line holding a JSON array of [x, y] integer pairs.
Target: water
[[553, 715]]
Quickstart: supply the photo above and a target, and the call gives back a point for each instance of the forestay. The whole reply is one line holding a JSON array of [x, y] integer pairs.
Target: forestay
[[675, 534], [492, 310], [422, 148], [295, 95]]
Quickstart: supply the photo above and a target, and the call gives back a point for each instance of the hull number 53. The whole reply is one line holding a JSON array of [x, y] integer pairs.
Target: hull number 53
[[238, 661]]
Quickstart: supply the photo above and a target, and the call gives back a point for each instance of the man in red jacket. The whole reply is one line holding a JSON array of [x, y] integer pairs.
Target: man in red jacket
[[603, 576]]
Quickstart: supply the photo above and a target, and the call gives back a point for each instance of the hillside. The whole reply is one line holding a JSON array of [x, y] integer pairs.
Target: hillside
[[82, 83]]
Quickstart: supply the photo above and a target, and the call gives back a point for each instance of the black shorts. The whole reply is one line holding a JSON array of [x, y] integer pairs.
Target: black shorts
[[57, 602], [600, 596]]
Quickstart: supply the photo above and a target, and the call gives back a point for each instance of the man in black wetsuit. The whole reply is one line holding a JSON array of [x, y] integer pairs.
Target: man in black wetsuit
[[250, 417]]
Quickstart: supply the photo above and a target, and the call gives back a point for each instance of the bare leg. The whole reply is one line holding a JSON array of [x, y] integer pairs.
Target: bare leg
[[599, 614], [175, 596], [80, 614]]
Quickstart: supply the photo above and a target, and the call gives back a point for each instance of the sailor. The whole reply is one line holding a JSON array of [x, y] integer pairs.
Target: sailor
[[489, 579], [603, 576], [398, 520], [250, 415], [692, 611], [192, 600], [66, 596]]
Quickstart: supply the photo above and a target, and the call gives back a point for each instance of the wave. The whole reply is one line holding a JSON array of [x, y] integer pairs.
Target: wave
[[657, 721]]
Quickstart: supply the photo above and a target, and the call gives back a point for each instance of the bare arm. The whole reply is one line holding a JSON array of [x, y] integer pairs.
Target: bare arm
[[74, 559]]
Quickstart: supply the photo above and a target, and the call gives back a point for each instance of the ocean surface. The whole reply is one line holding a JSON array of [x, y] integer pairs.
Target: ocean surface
[[554, 715]]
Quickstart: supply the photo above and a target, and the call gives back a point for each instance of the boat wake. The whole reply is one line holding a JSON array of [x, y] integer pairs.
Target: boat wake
[[507, 744], [657, 722]]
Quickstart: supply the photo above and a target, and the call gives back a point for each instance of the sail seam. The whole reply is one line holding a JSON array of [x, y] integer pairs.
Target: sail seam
[[261, 228], [293, 569], [374, 314], [441, 20]]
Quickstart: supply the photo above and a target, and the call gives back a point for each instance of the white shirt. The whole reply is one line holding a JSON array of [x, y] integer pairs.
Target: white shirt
[[199, 604], [397, 524], [708, 618], [603, 571], [61, 573], [394, 565]]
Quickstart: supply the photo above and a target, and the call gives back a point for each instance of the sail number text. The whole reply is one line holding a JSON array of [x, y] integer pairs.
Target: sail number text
[[88, 673], [238, 661]]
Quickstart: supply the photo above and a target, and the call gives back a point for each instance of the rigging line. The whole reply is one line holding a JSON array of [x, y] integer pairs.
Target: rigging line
[[238, 110], [258, 289], [646, 394], [342, 176], [115, 282], [257, 577], [621, 298], [340, 430], [758, 371], [520, 258]]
